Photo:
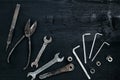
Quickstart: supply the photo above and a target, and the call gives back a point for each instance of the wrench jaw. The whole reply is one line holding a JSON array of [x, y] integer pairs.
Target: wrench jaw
[[32, 75], [47, 40], [34, 64], [58, 58]]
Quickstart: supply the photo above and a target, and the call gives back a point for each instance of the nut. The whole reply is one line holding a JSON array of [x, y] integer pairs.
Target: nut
[[92, 70], [98, 63], [109, 58], [70, 59]]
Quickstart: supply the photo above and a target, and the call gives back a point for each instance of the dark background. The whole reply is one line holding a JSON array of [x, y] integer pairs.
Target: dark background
[[65, 21]]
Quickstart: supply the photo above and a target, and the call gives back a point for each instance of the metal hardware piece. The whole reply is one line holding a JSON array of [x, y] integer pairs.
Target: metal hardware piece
[[98, 63], [92, 71], [70, 59], [80, 63], [47, 65], [84, 47], [99, 50], [109, 58], [94, 44], [46, 42], [15, 16], [67, 68], [29, 30]]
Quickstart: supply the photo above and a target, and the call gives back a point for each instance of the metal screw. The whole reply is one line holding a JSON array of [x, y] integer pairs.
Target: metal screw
[[84, 47], [80, 63], [94, 44]]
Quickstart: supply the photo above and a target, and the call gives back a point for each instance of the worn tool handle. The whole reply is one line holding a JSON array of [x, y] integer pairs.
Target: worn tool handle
[[67, 68], [13, 25]]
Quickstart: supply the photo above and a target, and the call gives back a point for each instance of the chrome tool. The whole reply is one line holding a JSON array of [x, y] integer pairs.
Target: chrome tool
[[93, 44], [80, 63], [46, 42], [47, 65]]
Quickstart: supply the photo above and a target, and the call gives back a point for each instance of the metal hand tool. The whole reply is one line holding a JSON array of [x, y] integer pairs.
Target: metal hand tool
[[10, 35], [47, 65], [46, 42], [80, 63], [99, 50], [67, 68], [84, 48], [28, 32], [94, 44]]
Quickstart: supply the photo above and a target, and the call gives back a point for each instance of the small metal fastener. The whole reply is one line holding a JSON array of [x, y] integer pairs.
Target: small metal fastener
[[92, 70], [98, 63], [70, 59], [109, 58]]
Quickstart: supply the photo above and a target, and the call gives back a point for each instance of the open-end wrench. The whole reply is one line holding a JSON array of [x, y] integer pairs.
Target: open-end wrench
[[46, 42], [47, 65], [99, 50], [93, 44], [80, 63], [67, 68], [84, 48]]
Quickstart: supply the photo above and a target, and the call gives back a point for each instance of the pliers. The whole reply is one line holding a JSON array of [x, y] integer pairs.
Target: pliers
[[29, 30]]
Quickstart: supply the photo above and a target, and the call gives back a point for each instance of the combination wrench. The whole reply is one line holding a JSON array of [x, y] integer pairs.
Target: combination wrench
[[46, 42], [47, 65], [69, 67]]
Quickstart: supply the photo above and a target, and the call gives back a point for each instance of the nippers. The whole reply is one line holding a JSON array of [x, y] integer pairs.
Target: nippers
[[29, 30]]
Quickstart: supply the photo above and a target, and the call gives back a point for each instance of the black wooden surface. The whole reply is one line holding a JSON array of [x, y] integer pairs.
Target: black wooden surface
[[65, 21]]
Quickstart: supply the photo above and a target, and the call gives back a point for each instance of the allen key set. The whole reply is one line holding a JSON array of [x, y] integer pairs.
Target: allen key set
[[29, 30]]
